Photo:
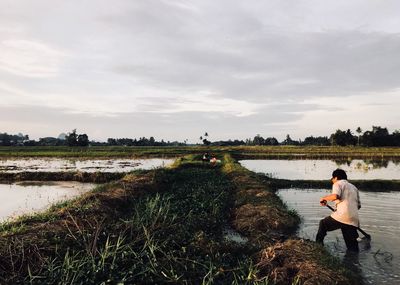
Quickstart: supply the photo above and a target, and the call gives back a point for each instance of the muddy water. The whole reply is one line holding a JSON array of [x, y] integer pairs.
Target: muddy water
[[322, 169], [59, 165], [379, 216], [29, 197]]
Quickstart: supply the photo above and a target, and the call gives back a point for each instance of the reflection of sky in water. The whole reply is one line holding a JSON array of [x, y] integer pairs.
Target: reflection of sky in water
[[102, 165], [379, 217], [16, 200], [322, 169]]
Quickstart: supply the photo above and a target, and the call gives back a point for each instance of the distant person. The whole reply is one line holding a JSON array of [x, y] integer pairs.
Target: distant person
[[214, 160], [206, 157], [347, 200]]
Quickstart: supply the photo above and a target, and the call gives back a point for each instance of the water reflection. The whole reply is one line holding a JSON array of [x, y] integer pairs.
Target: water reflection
[[379, 260], [30, 197], [322, 169], [102, 165]]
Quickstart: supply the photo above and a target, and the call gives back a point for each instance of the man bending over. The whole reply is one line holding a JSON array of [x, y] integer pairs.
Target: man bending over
[[347, 200]]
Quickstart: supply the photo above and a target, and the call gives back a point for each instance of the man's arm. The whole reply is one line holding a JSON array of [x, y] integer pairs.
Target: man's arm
[[330, 197]]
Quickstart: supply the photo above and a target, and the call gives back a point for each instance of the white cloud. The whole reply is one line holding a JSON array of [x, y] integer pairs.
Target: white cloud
[[211, 103], [365, 111], [29, 58]]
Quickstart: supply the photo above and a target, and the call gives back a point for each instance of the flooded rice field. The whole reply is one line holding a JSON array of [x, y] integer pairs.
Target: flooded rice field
[[100, 165], [29, 197], [379, 260], [322, 169]]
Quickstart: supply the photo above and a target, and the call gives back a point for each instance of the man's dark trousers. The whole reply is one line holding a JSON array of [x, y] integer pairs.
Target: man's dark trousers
[[349, 232]]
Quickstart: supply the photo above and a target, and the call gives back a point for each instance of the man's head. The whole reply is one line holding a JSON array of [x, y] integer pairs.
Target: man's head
[[339, 174]]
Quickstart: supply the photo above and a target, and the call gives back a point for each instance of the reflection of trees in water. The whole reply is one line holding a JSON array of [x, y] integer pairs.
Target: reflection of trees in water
[[396, 161], [342, 161], [377, 163], [366, 164]]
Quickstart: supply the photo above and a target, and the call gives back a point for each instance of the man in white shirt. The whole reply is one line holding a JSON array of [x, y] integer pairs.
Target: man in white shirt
[[347, 200]]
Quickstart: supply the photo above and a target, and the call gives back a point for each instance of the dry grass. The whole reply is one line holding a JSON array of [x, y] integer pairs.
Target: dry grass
[[298, 261], [258, 213]]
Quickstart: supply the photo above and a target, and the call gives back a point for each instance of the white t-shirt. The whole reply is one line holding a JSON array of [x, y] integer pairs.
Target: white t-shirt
[[348, 203]]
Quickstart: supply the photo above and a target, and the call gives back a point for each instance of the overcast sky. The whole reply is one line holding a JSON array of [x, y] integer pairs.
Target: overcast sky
[[174, 69]]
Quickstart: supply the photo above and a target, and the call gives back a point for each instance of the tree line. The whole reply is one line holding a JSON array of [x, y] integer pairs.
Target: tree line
[[377, 136], [74, 139], [70, 139], [143, 141]]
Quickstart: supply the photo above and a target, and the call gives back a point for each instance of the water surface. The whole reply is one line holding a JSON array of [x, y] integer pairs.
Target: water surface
[[322, 169], [379, 217], [29, 197], [88, 165]]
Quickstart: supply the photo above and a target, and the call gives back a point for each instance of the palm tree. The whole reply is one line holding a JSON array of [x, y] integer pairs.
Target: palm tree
[[359, 131]]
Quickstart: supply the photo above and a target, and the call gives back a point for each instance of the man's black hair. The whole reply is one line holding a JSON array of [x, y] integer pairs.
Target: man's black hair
[[340, 174]]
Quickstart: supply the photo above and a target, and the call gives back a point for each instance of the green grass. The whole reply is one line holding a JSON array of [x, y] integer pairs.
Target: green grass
[[94, 177], [238, 152], [375, 185], [96, 152]]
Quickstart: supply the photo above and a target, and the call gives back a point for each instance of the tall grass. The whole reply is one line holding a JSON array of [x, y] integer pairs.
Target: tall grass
[[172, 236]]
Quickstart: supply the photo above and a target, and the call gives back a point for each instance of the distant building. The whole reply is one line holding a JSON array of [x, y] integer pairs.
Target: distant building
[[62, 136]]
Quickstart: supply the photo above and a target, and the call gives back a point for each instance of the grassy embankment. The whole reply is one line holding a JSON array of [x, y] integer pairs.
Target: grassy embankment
[[167, 226], [96, 152], [93, 177], [375, 185], [341, 154], [238, 152]]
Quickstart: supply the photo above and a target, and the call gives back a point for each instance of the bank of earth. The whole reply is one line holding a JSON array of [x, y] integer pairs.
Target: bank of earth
[[173, 225]]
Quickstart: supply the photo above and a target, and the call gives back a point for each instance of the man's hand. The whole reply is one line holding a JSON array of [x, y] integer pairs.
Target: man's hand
[[323, 202]]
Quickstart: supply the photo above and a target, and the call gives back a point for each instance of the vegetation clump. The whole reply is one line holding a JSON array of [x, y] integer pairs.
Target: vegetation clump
[[299, 261]]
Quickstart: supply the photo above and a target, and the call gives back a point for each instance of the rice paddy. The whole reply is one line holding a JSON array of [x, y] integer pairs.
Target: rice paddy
[[168, 225]]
